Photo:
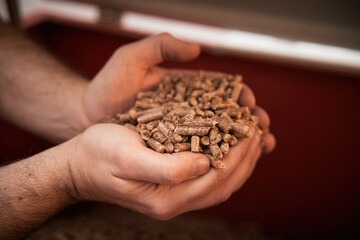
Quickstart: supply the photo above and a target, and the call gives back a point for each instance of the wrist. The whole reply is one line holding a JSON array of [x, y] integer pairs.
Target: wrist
[[79, 120]]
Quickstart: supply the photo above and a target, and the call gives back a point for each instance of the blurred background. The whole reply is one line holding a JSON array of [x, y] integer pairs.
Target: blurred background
[[302, 60]]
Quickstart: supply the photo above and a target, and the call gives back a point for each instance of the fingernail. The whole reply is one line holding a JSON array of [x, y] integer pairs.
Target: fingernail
[[202, 165]]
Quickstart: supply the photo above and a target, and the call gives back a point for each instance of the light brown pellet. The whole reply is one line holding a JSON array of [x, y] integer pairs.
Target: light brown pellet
[[215, 151], [181, 147], [123, 118], [214, 135], [224, 147], [215, 163], [199, 123], [197, 131], [205, 140], [155, 145], [151, 125], [237, 88], [242, 131], [169, 147], [131, 127], [150, 117], [209, 114], [226, 137], [195, 144], [233, 140], [145, 134], [146, 105], [158, 136]]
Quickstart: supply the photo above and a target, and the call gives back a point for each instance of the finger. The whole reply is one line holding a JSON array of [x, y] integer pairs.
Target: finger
[[269, 142], [264, 119], [247, 98], [156, 49], [167, 169], [233, 182], [203, 185]]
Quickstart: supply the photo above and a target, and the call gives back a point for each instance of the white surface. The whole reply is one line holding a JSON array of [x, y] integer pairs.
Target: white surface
[[220, 38]]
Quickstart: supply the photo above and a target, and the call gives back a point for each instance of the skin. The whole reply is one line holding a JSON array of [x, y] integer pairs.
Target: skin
[[96, 161]]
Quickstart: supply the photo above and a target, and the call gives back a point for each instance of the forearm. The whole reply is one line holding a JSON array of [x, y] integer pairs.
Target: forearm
[[37, 92], [33, 190]]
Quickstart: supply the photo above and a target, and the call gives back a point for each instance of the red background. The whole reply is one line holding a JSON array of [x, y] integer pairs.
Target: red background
[[307, 188]]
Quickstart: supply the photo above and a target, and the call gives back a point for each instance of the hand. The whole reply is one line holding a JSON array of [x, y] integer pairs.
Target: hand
[[132, 69], [111, 163]]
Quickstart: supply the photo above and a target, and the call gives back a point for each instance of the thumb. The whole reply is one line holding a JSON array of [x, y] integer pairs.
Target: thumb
[[167, 169], [156, 49]]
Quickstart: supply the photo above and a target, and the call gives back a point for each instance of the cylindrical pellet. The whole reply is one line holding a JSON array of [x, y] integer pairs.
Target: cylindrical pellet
[[195, 144], [151, 125], [242, 131], [155, 145], [224, 147], [198, 131], [123, 118], [199, 123], [150, 117], [215, 163], [237, 88], [145, 134], [215, 151], [180, 147], [158, 136], [205, 140], [169, 147]]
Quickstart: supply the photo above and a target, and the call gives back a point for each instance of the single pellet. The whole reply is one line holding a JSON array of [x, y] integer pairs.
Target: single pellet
[[151, 125], [209, 114], [145, 134], [241, 131], [214, 135], [131, 127], [199, 123], [226, 137], [181, 112], [233, 140], [150, 117], [215, 163], [155, 145], [123, 118], [146, 105], [158, 136], [208, 96], [235, 112], [181, 147], [150, 110], [142, 95], [195, 144], [224, 125], [169, 147], [205, 140], [237, 88], [133, 114], [224, 147], [215, 151], [197, 131]]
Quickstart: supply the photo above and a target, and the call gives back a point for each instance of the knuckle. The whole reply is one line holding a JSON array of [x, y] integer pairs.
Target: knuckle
[[161, 211], [165, 35], [224, 196], [172, 174]]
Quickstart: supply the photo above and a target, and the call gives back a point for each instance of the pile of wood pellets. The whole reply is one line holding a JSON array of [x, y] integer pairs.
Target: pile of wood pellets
[[191, 113]]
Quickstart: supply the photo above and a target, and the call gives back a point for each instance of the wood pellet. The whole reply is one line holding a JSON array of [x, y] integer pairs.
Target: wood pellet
[[191, 113]]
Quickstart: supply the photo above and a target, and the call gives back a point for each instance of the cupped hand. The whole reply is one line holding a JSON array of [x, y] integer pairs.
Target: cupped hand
[[132, 68], [111, 163]]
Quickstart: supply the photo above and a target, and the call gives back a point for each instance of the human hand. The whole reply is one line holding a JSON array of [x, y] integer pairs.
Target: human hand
[[112, 164], [132, 68]]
